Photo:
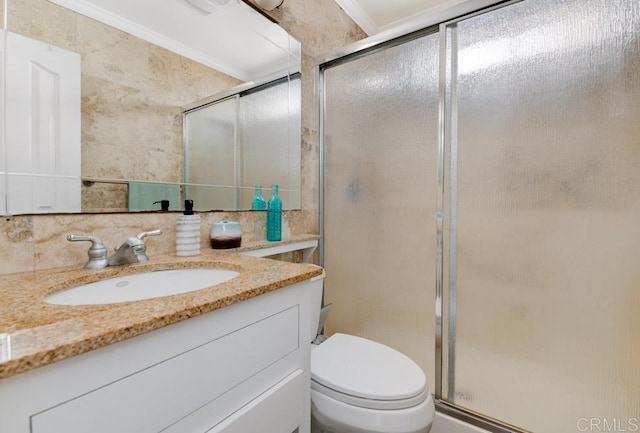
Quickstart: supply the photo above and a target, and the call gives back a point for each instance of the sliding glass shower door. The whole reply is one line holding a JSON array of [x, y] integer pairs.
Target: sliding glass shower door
[[380, 140], [544, 100]]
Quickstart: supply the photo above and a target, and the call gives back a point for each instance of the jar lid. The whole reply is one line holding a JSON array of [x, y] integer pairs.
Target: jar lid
[[226, 228]]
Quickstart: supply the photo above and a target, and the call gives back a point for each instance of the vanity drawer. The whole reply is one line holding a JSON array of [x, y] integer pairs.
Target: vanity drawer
[[159, 396], [277, 410]]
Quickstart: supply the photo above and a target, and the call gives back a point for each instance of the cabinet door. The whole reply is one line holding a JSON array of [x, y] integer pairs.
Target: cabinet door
[[42, 116], [277, 410]]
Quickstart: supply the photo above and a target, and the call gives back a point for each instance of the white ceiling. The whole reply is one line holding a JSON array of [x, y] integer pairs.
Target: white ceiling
[[375, 16], [233, 39]]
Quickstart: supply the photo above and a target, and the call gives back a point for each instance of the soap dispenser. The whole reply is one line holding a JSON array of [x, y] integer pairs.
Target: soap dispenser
[[188, 232]]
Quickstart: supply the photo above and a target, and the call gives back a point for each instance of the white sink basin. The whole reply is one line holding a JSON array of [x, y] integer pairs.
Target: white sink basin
[[137, 287]]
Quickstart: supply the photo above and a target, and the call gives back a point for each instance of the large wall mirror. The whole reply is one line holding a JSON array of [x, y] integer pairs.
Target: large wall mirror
[[144, 64]]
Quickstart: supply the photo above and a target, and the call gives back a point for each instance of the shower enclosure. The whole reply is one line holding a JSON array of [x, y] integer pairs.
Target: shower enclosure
[[481, 209], [228, 139]]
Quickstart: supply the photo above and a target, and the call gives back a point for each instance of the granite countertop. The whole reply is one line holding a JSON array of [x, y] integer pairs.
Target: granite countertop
[[40, 333]]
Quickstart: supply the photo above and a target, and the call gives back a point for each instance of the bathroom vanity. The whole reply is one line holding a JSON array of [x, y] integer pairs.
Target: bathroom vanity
[[240, 363]]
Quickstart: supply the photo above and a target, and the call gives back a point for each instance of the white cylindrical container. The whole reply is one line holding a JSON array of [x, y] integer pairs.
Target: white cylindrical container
[[188, 232]]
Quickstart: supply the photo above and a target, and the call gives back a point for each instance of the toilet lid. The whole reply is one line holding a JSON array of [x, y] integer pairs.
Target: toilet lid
[[367, 370]]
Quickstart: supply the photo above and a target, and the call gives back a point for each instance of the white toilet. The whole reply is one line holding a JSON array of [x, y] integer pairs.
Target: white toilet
[[360, 386]]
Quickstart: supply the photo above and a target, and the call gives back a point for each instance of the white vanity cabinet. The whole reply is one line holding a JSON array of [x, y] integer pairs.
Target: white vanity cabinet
[[240, 369]]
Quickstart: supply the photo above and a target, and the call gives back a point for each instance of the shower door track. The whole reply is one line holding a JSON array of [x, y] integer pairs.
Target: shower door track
[[475, 419]]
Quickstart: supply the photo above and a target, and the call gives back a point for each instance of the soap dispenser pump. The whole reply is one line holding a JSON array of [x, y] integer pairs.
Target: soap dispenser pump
[[188, 232]]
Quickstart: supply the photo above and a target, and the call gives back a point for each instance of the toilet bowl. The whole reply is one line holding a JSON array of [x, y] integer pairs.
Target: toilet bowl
[[361, 386]]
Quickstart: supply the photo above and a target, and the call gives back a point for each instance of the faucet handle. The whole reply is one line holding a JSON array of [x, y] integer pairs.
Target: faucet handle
[[97, 252], [143, 235]]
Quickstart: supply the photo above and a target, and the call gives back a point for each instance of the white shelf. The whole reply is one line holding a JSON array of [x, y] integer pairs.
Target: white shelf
[[307, 247]]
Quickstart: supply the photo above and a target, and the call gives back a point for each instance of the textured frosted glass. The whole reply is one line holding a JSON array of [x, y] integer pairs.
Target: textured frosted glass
[[380, 140], [548, 234], [210, 155], [269, 134], [247, 140]]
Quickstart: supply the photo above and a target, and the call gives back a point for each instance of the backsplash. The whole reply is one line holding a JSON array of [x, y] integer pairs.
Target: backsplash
[[33, 242]]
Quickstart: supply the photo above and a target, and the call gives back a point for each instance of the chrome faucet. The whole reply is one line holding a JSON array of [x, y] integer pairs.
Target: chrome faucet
[[133, 250]]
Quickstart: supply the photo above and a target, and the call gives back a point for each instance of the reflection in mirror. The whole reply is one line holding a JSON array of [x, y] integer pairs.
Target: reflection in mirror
[[140, 66], [240, 140]]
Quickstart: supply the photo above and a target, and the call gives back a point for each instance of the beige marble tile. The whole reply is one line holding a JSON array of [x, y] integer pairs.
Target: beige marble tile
[[320, 25], [101, 196], [17, 249], [34, 18], [164, 156], [177, 81], [165, 221], [39, 241], [309, 92], [52, 248], [112, 55], [311, 168], [111, 120]]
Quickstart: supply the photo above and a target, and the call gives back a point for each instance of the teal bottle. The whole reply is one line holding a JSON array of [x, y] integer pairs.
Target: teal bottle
[[274, 216], [258, 202]]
